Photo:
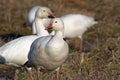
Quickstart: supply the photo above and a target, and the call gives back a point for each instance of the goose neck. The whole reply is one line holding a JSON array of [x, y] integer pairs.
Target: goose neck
[[58, 34], [40, 29]]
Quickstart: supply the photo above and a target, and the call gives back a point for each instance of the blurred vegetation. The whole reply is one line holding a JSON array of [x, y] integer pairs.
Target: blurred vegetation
[[101, 61]]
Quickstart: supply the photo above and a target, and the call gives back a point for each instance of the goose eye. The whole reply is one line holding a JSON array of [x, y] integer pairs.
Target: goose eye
[[43, 10], [55, 21]]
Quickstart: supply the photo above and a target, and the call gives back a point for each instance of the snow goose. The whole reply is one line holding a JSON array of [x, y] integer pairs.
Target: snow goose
[[32, 14], [76, 25], [49, 52], [15, 52]]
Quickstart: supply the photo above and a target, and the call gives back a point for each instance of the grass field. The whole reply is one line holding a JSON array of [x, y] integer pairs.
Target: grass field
[[101, 41]]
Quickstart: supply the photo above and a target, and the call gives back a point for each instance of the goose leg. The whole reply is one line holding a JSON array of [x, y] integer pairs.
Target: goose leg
[[81, 50], [81, 45], [38, 72], [82, 57], [29, 72], [16, 74], [57, 73]]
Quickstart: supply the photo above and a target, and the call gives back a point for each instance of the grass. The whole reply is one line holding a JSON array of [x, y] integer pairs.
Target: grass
[[101, 61]]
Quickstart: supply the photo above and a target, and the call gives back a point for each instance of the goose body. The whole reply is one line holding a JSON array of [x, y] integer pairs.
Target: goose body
[[76, 24], [49, 52], [15, 52]]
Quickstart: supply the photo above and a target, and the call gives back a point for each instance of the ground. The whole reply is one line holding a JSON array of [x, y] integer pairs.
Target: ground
[[101, 41]]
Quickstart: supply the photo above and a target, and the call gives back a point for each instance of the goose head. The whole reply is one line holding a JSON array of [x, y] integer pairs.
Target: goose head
[[44, 12], [56, 24]]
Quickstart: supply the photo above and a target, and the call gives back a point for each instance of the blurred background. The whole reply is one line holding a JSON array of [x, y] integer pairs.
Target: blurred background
[[101, 41]]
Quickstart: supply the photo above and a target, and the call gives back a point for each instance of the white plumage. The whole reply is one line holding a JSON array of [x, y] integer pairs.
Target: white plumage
[[15, 52], [76, 24]]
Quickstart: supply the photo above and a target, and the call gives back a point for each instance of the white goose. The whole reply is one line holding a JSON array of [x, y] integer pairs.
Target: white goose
[[49, 52], [31, 17], [75, 25], [15, 52]]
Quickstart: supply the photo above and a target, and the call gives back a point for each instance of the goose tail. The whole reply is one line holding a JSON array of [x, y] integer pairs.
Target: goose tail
[[2, 60]]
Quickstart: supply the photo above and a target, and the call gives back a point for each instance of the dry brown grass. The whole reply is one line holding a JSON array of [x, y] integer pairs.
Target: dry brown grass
[[102, 62]]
